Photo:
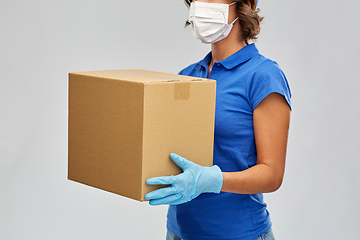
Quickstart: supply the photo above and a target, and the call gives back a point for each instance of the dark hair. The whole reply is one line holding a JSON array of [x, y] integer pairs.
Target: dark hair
[[249, 18]]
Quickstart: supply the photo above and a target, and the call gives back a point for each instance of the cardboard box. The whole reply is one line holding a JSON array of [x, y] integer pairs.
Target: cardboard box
[[123, 124]]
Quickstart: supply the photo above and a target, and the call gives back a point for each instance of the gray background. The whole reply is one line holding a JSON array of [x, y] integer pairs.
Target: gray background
[[315, 42]]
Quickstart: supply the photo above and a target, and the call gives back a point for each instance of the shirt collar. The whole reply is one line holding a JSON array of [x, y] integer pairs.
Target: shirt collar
[[240, 56], [234, 60], [206, 61]]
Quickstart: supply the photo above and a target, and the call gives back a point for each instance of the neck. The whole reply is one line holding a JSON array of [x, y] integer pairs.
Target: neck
[[228, 46]]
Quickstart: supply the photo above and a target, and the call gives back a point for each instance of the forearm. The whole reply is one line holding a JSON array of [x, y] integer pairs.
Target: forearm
[[259, 179], [271, 126]]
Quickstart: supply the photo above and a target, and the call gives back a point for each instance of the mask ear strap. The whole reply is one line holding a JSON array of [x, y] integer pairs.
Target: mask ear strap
[[235, 18], [234, 21]]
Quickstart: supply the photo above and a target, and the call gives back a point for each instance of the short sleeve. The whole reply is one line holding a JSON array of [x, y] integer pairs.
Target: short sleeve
[[268, 78]]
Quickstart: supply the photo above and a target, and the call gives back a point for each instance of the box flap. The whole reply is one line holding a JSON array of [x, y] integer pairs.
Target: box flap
[[143, 76]]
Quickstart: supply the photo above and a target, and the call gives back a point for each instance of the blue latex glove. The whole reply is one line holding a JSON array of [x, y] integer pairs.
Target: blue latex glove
[[186, 186]]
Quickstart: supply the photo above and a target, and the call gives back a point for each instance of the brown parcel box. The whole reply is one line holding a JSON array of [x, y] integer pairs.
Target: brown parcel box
[[123, 124]]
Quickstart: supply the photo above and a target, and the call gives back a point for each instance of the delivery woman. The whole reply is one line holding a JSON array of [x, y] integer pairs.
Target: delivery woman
[[252, 118]]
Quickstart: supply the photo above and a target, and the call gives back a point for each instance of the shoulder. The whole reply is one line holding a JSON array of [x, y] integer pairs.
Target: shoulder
[[197, 69], [266, 71], [267, 67], [267, 77], [189, 69]]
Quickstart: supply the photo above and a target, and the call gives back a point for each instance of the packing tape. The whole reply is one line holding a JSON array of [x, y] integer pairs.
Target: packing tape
[[181, 88], [142, 75], [182, 91]]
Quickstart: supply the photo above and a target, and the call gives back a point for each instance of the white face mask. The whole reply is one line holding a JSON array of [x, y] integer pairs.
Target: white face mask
[[210, 21]]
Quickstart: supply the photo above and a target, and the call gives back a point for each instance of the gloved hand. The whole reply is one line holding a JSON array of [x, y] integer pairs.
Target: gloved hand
[[186, 186]]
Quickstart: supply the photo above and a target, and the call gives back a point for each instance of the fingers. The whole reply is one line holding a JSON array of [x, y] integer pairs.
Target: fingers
[[169, 195], [160, 180], [171, 199], [183, 163], [160, 193], [163, 192]]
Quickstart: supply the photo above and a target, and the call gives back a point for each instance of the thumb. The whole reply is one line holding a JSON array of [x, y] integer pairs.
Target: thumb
[[183, 163]]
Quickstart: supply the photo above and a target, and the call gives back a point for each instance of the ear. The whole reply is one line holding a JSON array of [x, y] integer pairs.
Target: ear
[[250, 2]]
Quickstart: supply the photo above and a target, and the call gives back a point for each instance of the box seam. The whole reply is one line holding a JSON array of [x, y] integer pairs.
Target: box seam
[[142, 144], [195, 79]]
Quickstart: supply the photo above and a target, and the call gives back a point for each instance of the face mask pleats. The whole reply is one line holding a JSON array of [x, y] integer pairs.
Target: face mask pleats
[[210, 21]]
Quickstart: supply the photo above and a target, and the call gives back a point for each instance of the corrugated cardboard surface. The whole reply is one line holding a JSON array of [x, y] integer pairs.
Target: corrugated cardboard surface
[[124, 124]]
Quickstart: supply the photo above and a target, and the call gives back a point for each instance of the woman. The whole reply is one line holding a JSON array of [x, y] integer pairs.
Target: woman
[[252, 118]]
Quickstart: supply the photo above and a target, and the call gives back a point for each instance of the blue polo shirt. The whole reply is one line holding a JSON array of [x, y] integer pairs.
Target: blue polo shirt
[[243, 80]]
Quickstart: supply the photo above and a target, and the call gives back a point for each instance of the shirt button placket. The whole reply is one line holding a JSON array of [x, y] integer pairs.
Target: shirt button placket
[[215, 69]]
